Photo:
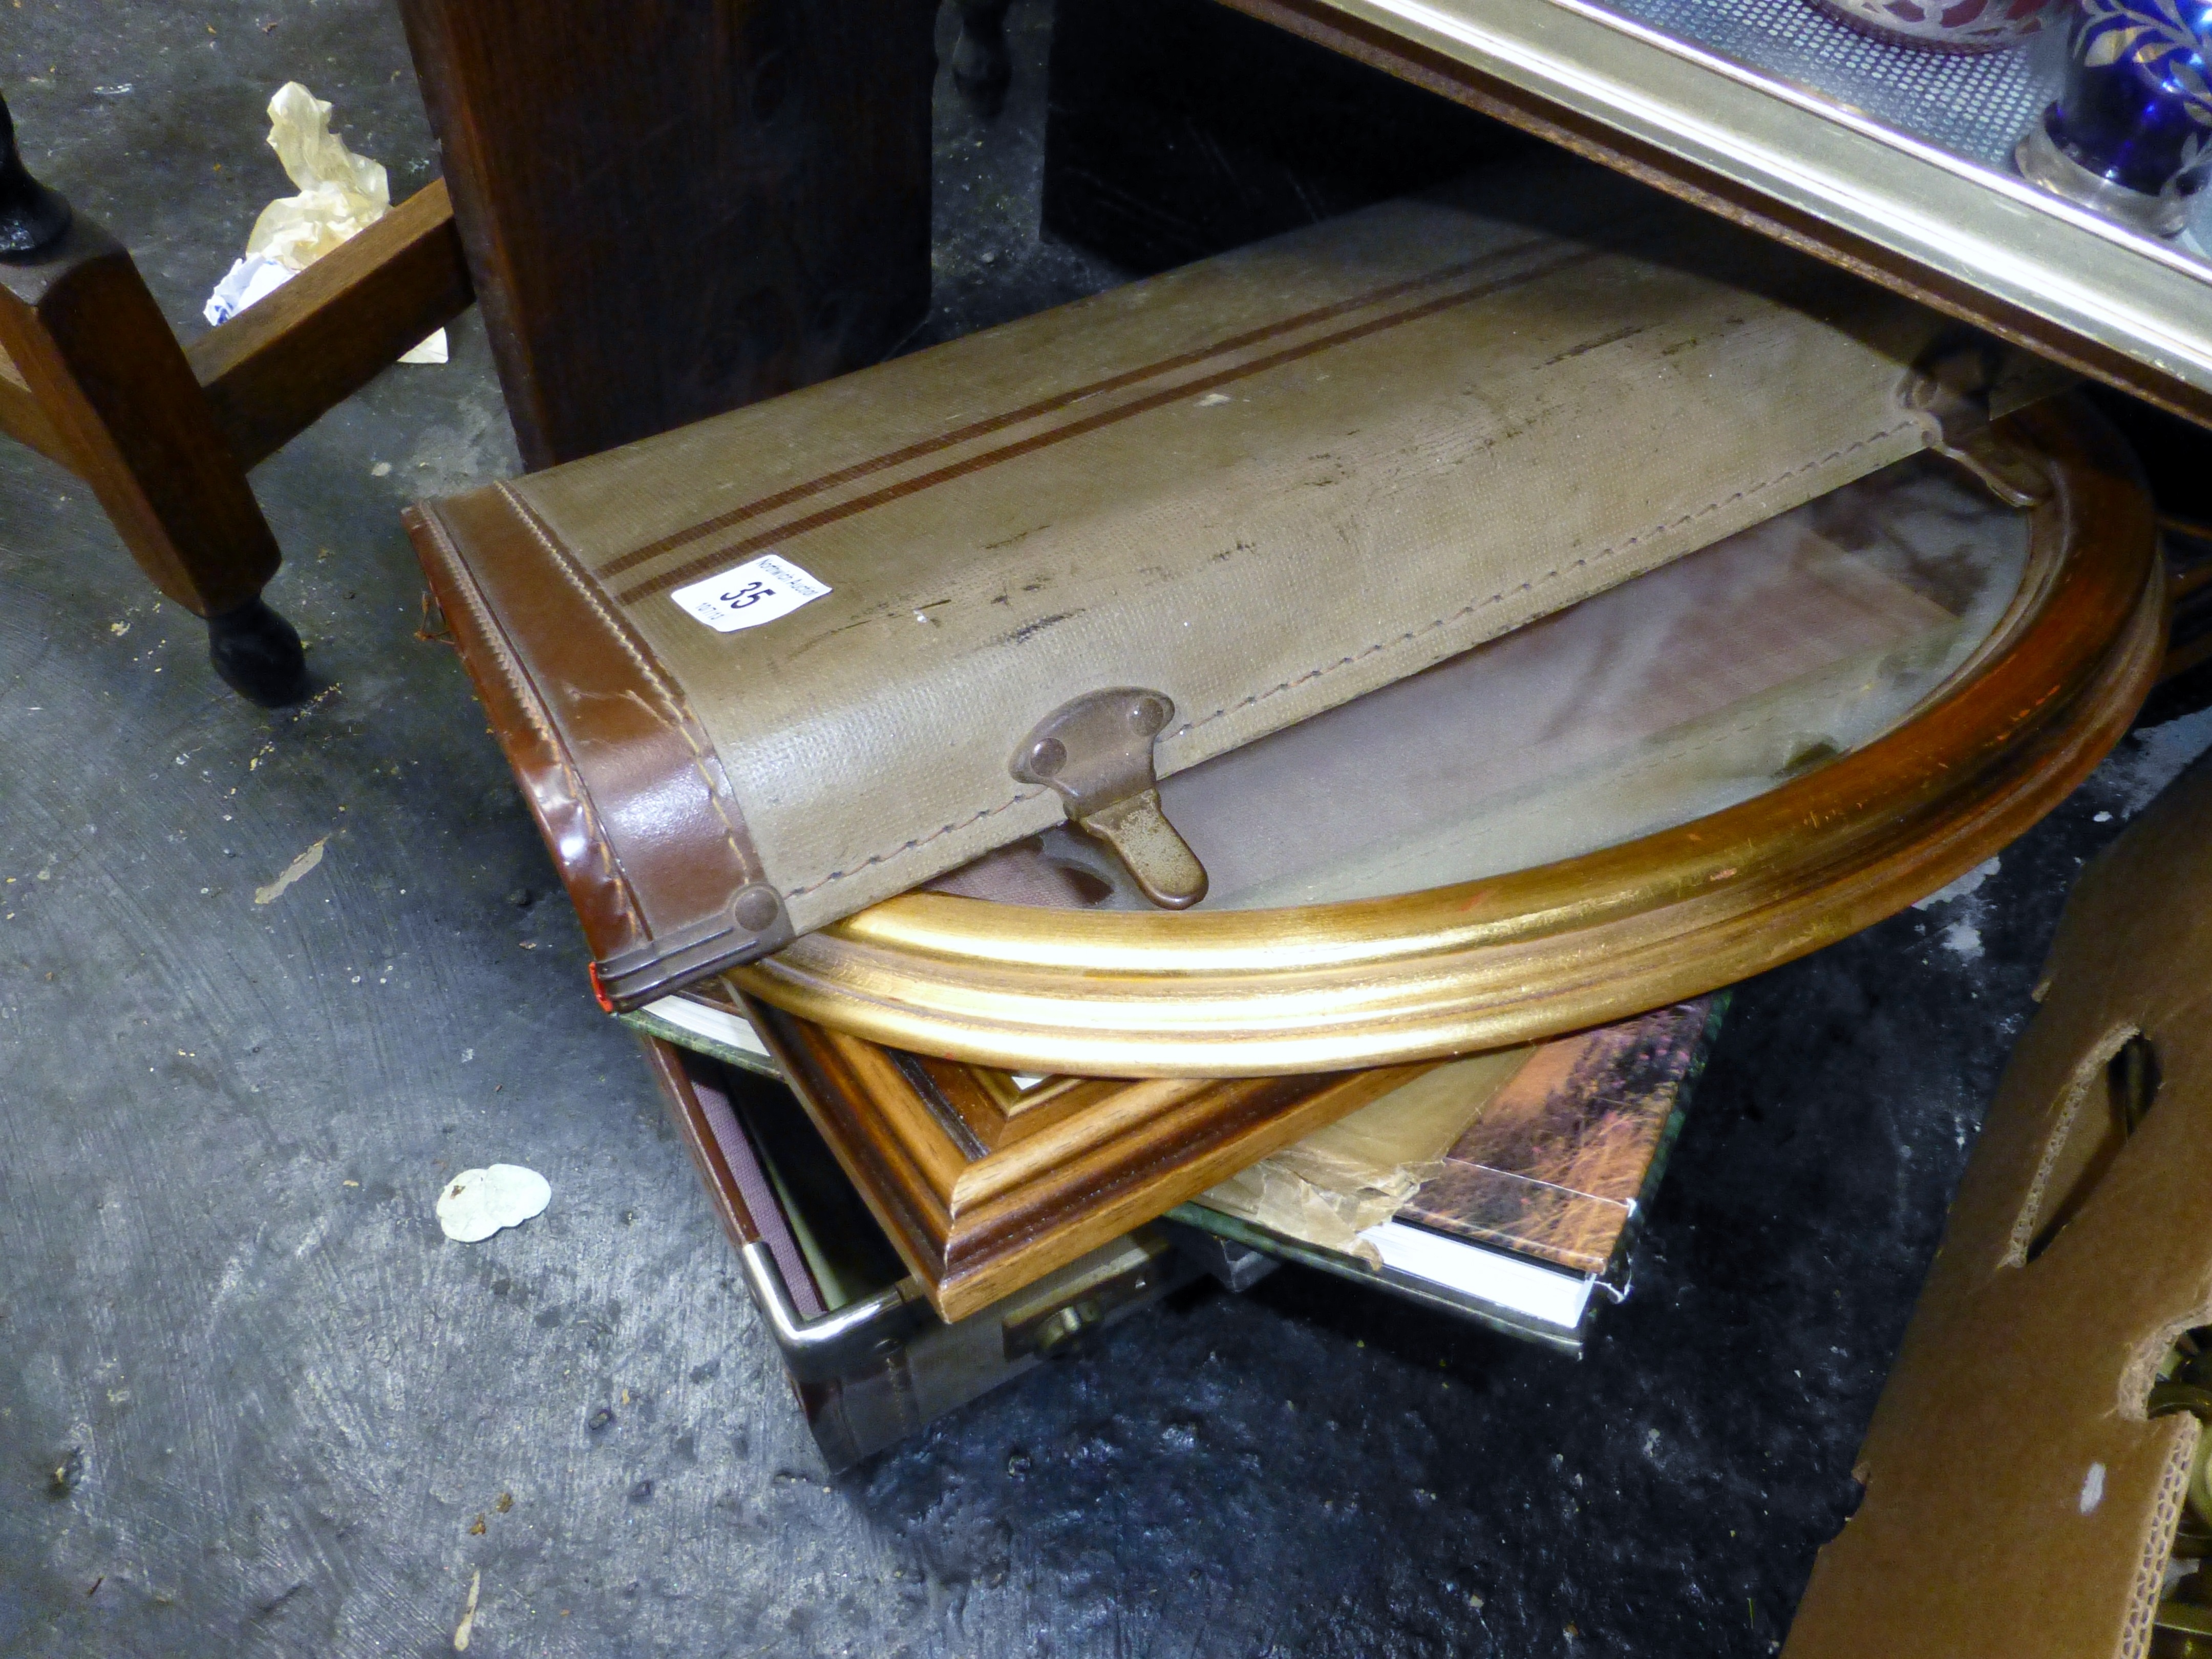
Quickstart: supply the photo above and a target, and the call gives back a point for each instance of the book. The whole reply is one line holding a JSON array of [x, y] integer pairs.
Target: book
[[1526, 1219], [706, 1024]]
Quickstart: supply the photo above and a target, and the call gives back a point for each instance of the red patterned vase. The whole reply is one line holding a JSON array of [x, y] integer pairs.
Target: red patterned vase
[[1961, 26]]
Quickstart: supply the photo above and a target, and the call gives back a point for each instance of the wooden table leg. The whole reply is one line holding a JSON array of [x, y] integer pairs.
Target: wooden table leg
[[118, 402], [982, 68], [674, 207]]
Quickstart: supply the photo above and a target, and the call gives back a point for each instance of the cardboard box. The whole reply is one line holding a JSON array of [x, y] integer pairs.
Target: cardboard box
[[2020, 1499]]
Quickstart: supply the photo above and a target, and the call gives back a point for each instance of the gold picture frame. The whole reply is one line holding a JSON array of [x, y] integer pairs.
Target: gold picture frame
[[1519, 957]]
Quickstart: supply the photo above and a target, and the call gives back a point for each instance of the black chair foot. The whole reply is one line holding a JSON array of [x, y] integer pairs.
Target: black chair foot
[[258, 654]]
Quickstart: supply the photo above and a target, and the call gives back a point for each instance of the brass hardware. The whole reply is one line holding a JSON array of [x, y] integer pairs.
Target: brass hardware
[[1097, 752], [1044, 1326], [2130, 1075], [2186, 1390], [2131, 1078], [1056, 1331], [2193, 1539], [2184, 1621], [1947, 391], [2169, 1399]]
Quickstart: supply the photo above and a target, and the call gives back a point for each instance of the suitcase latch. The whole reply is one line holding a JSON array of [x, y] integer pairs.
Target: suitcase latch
[[1062, 1321], [1947, 391], [1097, 752]]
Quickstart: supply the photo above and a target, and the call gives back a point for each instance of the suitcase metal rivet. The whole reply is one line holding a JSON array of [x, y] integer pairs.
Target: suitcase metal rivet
[[757, 909]]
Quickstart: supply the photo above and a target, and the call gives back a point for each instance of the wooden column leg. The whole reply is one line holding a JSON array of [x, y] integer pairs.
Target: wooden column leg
[[674, 207], [982, 68], [120, 401]]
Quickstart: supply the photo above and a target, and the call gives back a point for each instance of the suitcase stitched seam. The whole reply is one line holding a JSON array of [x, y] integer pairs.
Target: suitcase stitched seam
[[1406, 638], [1536, 582], [731, 835], [918, 840], [526, 698]]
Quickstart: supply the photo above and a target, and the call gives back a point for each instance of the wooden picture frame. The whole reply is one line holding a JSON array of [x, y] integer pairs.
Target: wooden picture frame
[[983, 1188]]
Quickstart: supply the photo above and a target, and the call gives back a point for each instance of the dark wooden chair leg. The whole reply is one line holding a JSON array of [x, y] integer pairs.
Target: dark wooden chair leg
[[118, 402], [982, 68]]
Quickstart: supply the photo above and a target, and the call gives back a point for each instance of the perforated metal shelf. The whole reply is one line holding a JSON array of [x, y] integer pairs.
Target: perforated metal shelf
[[1973, 105]]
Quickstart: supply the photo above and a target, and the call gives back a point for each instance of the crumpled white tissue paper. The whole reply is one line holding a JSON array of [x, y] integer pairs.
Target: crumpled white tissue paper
[[341, 194]]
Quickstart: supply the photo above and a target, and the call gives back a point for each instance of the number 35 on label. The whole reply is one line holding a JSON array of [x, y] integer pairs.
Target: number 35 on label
[[758, 591]]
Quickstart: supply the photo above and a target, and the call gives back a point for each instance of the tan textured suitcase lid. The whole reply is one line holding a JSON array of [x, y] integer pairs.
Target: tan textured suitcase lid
[[1238, 494]]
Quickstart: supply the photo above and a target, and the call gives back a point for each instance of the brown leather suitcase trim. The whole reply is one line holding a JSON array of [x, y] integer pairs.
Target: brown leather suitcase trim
[[623, 781]]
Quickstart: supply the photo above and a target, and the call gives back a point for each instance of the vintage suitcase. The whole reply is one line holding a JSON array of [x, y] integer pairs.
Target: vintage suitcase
[[765, 672], [868, 1361]]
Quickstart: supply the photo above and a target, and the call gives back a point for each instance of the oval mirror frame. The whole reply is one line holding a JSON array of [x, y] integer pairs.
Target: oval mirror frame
[[1516, 958]]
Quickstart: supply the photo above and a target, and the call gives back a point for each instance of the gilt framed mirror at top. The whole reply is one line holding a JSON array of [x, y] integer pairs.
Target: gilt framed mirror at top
[[1796, 761], [1890, 160]]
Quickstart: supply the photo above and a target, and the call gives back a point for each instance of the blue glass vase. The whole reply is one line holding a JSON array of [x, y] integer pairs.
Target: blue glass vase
[[2129, 135]]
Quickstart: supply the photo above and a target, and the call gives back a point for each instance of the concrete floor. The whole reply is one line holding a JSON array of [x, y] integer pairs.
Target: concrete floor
[[292, 1419]]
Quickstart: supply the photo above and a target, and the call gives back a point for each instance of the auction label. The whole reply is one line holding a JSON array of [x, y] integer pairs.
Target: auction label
[[746, 595]]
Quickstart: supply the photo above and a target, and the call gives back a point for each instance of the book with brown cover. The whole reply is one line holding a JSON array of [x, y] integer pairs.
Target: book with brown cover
[[1558, 1162], [1526, 1220]]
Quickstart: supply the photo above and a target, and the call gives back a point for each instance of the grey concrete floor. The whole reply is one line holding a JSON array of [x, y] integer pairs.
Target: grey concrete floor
[[292, 1419]]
